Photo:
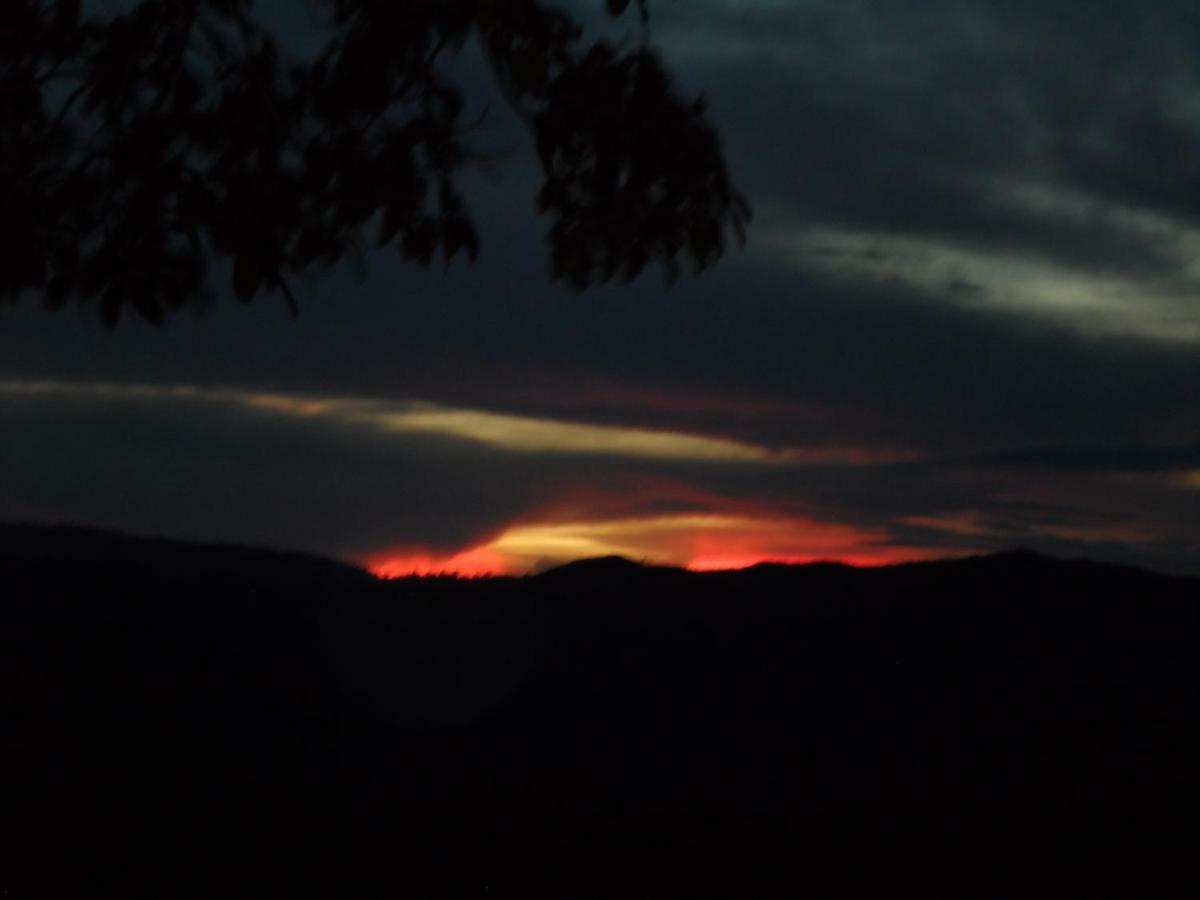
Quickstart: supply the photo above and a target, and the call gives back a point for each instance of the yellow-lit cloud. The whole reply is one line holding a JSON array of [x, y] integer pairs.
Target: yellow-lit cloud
[[1096, 301], [508, 433], [523, 434]]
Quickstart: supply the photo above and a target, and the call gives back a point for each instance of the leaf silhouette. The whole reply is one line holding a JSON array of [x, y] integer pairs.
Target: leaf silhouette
[[141, 147]]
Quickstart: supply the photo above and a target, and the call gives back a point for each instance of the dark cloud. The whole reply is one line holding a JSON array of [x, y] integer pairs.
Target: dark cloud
[[208, 471], [1135, 459], [886, 117], [896, 368]]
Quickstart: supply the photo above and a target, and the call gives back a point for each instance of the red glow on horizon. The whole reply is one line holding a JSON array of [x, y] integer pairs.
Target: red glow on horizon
[[794, 541], [699, 543], [477, 563], [886, 557]]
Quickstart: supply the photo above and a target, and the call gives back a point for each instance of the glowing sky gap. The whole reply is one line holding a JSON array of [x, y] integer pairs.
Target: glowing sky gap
[[702, 542]]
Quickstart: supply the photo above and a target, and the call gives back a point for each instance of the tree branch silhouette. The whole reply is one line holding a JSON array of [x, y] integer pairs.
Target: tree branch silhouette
[[139, 148]]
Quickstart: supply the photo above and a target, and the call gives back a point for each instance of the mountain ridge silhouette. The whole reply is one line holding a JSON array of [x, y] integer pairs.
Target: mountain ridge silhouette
[[965, 727], [86, 543]]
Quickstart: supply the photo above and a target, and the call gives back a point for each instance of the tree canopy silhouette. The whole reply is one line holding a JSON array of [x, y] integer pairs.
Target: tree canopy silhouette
[[137, 148]]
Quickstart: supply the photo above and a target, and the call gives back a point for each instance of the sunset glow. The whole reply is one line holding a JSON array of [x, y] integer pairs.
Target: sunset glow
[[884, 556], [543, 477], [477, 563], [705, 542]]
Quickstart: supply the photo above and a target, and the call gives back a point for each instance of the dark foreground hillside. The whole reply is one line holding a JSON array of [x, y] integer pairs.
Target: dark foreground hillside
[[218, 722]]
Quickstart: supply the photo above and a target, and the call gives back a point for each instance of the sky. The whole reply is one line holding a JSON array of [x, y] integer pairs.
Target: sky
[[967, 318]]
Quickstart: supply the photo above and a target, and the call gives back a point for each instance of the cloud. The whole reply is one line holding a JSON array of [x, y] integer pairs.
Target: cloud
[[1036, 158], [174, 465], [979, 525], [340, 476], [351, 475], [529, 435], [1092, 303], [510, 433], [699, 541], [967, 319]]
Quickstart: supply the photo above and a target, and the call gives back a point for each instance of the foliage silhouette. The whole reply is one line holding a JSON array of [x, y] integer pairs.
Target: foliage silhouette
[[139, 147]]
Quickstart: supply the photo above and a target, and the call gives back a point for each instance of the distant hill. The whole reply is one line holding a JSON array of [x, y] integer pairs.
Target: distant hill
[[92, 547], [195, 720]]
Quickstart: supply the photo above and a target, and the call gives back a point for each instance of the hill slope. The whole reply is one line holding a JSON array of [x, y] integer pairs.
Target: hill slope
[[177, 717]]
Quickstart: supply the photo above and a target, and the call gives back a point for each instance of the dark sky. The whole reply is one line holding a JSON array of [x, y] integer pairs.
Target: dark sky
[[967, 318]]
